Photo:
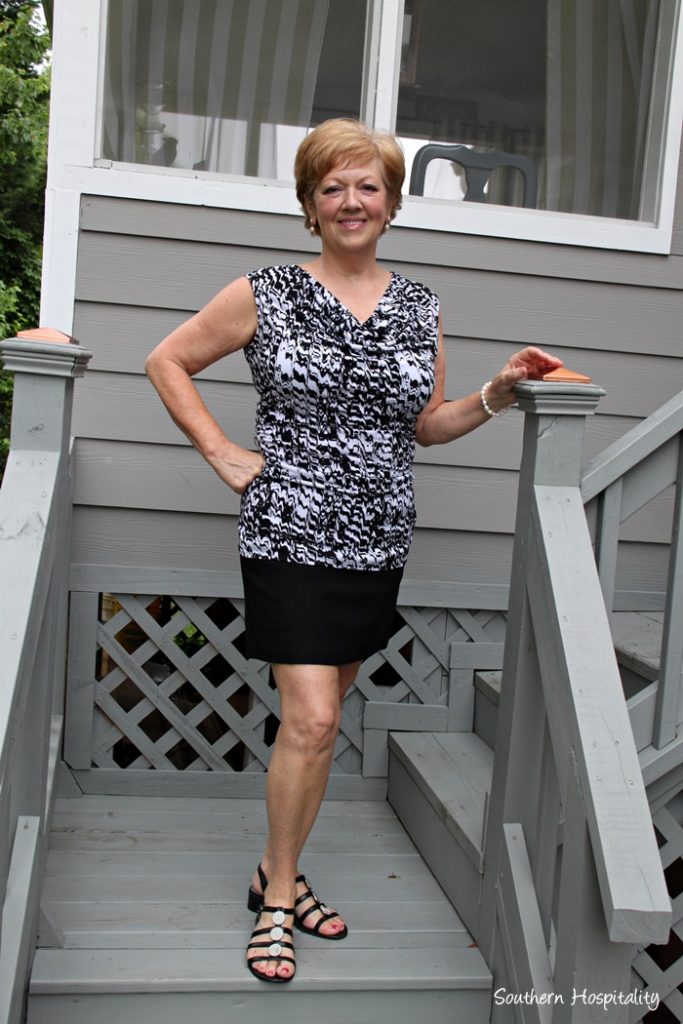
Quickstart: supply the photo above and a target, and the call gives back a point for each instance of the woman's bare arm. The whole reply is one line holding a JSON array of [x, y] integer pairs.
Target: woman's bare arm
[[226, 324], [441, 421]]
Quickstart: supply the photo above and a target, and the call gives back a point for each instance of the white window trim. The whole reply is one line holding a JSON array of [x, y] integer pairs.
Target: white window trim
[[73, 170], [387, 18]]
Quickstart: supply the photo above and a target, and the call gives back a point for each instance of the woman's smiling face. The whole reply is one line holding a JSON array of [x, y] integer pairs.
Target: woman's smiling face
[[351, 205]]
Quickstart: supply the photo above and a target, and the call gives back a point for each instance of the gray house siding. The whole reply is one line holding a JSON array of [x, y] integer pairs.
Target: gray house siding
[[143, 497]]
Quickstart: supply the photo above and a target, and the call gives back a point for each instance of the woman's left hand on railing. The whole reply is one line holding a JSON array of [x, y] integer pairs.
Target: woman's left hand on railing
[[529, 363]]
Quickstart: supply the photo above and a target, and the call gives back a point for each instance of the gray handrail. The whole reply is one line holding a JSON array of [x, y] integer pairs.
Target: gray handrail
[[586, 706], [653, 450], [34, 542], [626, 452], [564, 745]]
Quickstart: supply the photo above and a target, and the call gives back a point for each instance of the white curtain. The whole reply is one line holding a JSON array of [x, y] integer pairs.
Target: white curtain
[[216, 85], [600, 63]]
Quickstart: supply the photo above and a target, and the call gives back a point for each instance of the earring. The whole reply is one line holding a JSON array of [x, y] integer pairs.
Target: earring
[[387, 225], [312, 227]]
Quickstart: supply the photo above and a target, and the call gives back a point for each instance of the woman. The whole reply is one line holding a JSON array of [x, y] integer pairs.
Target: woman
[[348, 362]]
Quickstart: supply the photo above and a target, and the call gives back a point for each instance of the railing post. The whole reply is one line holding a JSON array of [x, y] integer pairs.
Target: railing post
[[45, 364], [34, 559], [34, 507], [553, 440]]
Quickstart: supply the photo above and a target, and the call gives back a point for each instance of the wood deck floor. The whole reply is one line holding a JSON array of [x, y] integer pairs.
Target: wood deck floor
[[148, 895]]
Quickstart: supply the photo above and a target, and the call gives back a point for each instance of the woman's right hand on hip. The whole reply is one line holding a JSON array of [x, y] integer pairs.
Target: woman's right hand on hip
[[237, 467]]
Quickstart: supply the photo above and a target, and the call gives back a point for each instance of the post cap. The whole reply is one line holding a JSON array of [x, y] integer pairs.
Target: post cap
[[573, 395], [566, 376], [45, 351], [47, 334]]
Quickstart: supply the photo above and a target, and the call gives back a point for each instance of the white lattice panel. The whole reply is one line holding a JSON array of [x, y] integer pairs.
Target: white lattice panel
[[661, 967]]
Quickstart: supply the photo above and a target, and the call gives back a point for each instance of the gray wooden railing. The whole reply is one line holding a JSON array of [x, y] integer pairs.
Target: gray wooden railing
[[573, 880], [619, 482], [35, 502]]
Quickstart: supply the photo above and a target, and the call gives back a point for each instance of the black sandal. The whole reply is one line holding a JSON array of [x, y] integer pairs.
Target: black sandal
[[276, 945], [255, 899], [316, 906]]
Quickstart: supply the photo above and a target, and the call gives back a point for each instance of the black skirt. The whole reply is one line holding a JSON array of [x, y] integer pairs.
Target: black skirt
[[314, 614]]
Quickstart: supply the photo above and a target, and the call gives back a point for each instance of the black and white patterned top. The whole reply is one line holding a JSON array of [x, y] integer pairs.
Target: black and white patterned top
[[338, 403]]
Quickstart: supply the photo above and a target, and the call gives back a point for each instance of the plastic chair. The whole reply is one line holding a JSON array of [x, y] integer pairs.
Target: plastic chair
[[478, 169]]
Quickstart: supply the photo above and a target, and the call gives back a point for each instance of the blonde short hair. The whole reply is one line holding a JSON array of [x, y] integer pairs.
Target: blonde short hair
[[344, 141]]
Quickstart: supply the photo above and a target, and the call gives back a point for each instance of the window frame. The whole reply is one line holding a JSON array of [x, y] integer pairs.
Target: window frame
[[76, 127]]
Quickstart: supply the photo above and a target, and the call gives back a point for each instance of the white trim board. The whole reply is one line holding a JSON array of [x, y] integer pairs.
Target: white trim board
[[223, 192]]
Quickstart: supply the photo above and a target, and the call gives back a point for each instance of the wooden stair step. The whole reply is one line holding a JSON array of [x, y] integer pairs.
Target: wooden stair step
[[487, 686], [638, 641], [217, 970], [212, 987], [438, 786], [145, 919], [223, 924], [453, 771]]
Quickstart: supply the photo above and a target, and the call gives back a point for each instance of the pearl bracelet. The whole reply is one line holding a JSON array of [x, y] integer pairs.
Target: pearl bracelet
[[487, 408]]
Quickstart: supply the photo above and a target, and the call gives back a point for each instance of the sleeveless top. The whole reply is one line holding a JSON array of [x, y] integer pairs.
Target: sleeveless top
[[335, 422]]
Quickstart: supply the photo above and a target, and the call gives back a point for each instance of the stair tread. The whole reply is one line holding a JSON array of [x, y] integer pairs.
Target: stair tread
[[453, 771], [224, 924], [156, 903], [489, 683], [638, 640], [213, 970]]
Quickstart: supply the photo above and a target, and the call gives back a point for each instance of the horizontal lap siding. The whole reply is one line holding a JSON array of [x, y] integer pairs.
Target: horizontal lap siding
[[190, 540], [136, 419], [120, 474], [201, 542], [143, 497], [514, 306], [122, 335]]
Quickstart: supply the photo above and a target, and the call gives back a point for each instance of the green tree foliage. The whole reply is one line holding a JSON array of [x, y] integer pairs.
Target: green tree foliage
[[24, 104]]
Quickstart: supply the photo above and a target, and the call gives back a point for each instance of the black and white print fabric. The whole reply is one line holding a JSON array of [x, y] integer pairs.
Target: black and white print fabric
[[338, 403]]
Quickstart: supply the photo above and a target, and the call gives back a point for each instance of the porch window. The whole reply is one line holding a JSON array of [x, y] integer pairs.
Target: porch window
[[571, 86], [227, 86], [576, 90]]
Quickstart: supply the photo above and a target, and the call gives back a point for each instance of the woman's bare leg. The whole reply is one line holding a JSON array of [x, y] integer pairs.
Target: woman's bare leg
[[310, 705]]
